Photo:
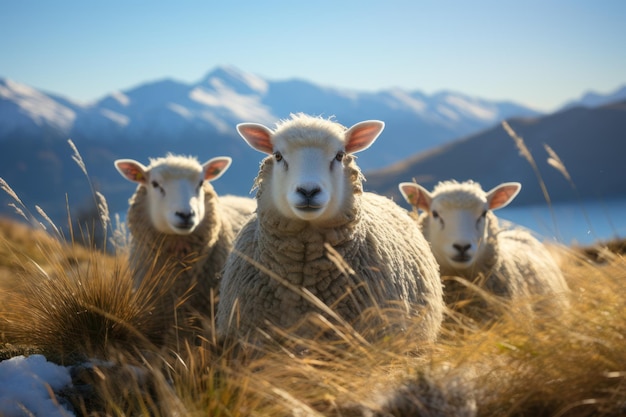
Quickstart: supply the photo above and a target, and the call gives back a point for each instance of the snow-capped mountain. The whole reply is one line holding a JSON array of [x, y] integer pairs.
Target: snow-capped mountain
[[169, 110], [25, 110], [199, 119]]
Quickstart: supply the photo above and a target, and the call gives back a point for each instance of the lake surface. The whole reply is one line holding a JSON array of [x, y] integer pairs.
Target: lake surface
[[583, 222]]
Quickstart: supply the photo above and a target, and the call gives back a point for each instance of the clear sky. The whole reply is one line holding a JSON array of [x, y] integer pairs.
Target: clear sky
[[537, 52]]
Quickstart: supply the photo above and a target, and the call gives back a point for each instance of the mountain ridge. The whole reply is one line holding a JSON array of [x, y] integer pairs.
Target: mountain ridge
[[199, 118], [589, 141]]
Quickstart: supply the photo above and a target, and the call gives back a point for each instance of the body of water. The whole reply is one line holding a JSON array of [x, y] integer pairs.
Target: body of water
[[583, 222]]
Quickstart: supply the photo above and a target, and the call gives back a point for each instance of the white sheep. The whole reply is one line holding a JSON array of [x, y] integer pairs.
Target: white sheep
[[468, 242], [180, 226], [312, 215]]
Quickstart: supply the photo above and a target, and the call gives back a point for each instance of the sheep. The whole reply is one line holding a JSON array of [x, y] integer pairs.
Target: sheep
[[315, 232], [180, 227], [468, 242]]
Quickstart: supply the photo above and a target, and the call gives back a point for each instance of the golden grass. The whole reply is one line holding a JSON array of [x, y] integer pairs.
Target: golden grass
[[72, 303]]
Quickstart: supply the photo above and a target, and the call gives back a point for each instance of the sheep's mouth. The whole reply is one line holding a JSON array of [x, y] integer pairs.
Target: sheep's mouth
[[308, 207], [186, 226], [461, 258]]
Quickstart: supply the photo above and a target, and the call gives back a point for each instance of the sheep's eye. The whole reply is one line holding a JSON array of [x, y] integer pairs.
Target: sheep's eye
[[155, 184], [200, 183], [484, 214], [340, 155], [278, 156], [435, 214]]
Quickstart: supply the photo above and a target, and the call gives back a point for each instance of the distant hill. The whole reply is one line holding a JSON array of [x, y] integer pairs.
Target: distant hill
[[199, 119], [591, 142], [594, 99]]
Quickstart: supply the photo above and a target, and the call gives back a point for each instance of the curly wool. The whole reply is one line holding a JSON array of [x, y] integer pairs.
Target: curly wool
[[512, 264], [375, 237], [194, 260]]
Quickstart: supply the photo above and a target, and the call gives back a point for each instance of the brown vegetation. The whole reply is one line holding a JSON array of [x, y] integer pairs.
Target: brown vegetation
[[72, 303]]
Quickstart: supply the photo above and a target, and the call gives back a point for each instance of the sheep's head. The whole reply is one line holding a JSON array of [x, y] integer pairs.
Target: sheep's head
[[311, 157], [457, 217], [174, 188]]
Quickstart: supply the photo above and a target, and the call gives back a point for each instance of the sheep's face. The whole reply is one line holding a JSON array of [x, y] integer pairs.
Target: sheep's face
[[456, 233], [175, 203], [456, 218], [309, 179], [175, 189], [308, 183]]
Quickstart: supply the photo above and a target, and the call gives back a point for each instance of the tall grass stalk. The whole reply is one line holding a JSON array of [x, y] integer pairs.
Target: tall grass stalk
[[555, 162], [98, 198], [525, 153]]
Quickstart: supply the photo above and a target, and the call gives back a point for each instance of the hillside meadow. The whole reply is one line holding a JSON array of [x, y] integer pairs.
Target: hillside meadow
[[74, 304], [63, 297]]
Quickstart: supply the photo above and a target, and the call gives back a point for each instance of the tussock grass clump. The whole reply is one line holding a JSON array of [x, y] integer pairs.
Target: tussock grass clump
[[69, 301]]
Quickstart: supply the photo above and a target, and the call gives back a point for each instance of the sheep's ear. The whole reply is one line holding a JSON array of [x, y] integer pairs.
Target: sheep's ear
[[503, 194], [257, 136], [132, 170], [362, 135], [215, 167], [416, 195]]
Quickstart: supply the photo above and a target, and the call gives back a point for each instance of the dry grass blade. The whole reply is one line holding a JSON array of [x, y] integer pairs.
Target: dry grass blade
[[43, 214], [78, 158], [99, 199], [555, 161], [120, 239], [523, 150], [22, 210]]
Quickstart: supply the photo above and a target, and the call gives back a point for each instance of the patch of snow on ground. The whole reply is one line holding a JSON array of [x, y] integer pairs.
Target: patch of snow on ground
[[27, 385]]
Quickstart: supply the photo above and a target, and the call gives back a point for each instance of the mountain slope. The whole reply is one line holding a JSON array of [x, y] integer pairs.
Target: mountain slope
[[590, 142], [167, 110], [199, 119], [593, 99]]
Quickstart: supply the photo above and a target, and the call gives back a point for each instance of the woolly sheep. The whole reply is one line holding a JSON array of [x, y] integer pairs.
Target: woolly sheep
[[179, 225], [467, 241], [311, 211]]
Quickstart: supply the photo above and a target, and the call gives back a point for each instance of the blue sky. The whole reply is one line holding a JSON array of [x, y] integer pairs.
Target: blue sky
[[539, 53]]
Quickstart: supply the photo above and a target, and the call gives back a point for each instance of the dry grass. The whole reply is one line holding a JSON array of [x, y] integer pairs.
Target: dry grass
[[72, 303]]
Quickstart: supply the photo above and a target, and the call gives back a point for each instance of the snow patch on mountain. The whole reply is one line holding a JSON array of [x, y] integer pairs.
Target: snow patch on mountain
[[121, 98], [448, 113], [406, 100], [115, 117], [471, 107], [242, 107], [181, 110], [38, 107], [239, 81]]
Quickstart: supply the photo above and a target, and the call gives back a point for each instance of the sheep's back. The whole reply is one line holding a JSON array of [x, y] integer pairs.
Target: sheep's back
[[398, 249], [530, 268], [237, 210]]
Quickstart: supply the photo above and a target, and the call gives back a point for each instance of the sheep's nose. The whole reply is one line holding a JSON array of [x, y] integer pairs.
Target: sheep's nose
[[462, 248], [186, 217], [308, 193]]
